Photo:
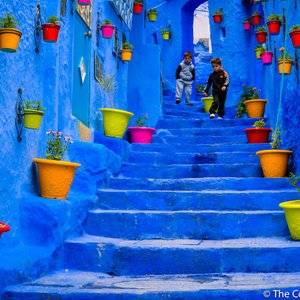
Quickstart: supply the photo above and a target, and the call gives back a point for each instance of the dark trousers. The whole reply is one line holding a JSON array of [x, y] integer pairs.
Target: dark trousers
[[218, 103]]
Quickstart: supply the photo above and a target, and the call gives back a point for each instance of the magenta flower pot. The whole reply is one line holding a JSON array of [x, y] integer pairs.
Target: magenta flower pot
[[84, 2], [247, 25], [266, 58], [141, 135], [107, 31]]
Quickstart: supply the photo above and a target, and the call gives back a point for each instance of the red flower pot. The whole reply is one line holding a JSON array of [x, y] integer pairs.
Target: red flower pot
[[256, 19], [84, 2], [257, 135], [261, 37], [107, 31], [247, 25], [266, 58], [137, 7], [50, 32], [274, 27], [141, 135], [217, 18], [295, 36], [3, 228]]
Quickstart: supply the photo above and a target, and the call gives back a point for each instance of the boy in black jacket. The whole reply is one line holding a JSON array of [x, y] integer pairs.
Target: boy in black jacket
[[219, 80]]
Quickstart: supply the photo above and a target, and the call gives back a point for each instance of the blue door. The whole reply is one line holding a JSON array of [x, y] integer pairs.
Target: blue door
[[81, 70]]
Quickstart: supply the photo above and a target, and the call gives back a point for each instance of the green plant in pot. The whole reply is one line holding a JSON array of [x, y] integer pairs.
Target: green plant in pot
[[285, 62], [33, 114], [165, 34], [126, 51], [152, 14], [258, 133], [248, 93], [218, 15], [295, 35], [274, 23], [51, 29], [259, 50]]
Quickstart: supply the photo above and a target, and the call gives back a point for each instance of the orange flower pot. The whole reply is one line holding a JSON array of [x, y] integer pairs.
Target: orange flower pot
[[255, 108], [126, 54], [55, 177], [9, 39], [274, 162], [285, 66]]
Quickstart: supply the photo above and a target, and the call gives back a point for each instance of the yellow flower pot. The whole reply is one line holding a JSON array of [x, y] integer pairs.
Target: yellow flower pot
[[126, 54], [255, 108], [292, 216], [55, 177], [166, 36], [274, 162], [285, 67], [258, 53], [152, 16], [207, 102], [9, 39], [32, 118], [115, 121]]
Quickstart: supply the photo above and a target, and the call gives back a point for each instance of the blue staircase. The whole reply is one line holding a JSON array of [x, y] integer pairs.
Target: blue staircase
[[189, 217]]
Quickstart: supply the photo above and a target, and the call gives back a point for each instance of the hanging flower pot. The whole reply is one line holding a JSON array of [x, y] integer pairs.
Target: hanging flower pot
[[255, 107], [295, 36], [152, 14], [274, 27], [33, 114], [285, 66], [138, 6], [107, 29], [165, 34], [115, 121], [258, 51], [217, 16], [84, 2], [247, 25], [256, 18], [266, 58], [51, 30], [3, 228], [207, 102], [261, 34]]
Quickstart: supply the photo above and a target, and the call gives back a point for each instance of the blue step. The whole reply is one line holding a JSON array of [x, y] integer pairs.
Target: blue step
[[73, 284], [191, 171], [193, 200], [205, 224], [133, 257], [196, 184], [186, 114]]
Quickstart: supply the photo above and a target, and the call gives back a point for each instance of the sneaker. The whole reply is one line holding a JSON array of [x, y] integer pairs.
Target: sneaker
[[212, 116], [189, 104], [177, 101], [220, 118]]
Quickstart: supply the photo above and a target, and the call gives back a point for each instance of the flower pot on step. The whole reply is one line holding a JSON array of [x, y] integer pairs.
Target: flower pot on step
[[285, 66], [255, 108], [9, 39], [266, 58], [115, 121], [292, 216], [107, 31], [141, 135], [257, 135], [55, 177], [274, 27], [207, 102], [3, 228], [50, 32], [295, 36], [32, 118], [274, 162]]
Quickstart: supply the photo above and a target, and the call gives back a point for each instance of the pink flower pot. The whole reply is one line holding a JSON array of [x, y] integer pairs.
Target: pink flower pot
[[107, 31], [84, 2], [266, 58], [247, 25], [141, 135]]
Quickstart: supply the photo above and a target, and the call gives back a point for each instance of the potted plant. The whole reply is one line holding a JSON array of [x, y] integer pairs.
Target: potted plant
[[247, 24], [207, 102], [259, 50], [274, 162], [256, 18], [152, 14], [138, 6], [295, 35], [9, 35], [51, 30], [3, 228], [217, 16], [55, 176], [115, 121], [274, 24], [266, 58], [84, 2], [107, 29], [33, 114], [165, 34], [141, 133], [258, 134], [284, 62], [292, 209], [261, 34], [126, 51]]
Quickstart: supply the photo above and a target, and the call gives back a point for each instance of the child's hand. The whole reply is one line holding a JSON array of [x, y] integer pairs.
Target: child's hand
[[223, 88], [205, 94]]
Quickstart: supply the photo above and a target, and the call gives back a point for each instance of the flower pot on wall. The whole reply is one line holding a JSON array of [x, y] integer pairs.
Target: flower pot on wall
[[165, 36], [217, 18], [107, 31], [3, 228], [295, 36], [274, 27], [285, 66], [261, 37], [207, 102], [292, 216], [32, 118], [126, 54], [256, 19], [84, 2], [152, 15], [258, 52], [115, 121], [274, 162], [266, 58], [257, 135], [137, 7], [255, 108], [247, 25], [141, 135], [55, 177], [50, 32], [9, 39]]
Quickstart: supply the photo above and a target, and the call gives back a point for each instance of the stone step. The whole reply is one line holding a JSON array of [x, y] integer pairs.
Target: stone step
[[133, 257], [198, 184], [190, 158], [199, 113], [194, 200], [198, 225], [171, 106], [191, 170], [73, 284]]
